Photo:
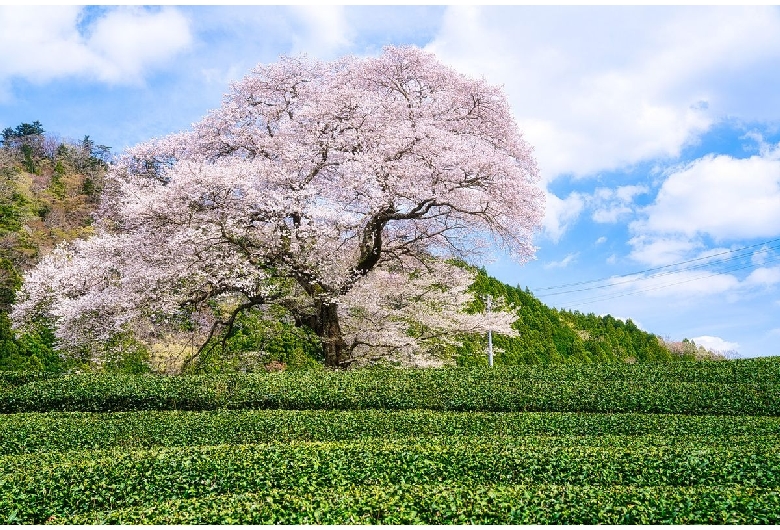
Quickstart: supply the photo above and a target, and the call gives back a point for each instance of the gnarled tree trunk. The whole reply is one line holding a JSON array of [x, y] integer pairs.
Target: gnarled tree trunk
[[325, 323], [329, 331]]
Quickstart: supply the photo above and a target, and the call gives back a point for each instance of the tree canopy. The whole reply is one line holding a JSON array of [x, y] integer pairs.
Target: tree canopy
[[312, 183]]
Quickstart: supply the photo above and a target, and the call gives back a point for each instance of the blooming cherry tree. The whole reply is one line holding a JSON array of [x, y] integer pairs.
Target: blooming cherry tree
[[320, 187], [406, 317]]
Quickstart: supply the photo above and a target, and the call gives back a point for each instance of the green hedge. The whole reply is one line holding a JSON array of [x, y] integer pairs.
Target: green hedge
[[436, 504], [396, 447], [58, 432], [736, 387], [36, 487]]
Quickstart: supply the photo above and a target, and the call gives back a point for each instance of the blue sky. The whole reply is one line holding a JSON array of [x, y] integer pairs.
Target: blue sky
[[657, 129]]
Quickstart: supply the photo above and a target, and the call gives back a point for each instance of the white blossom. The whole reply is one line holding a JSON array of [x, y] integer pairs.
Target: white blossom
[[320, 187]]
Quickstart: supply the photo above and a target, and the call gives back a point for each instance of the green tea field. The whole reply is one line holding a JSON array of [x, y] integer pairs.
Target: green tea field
[[657, 443]]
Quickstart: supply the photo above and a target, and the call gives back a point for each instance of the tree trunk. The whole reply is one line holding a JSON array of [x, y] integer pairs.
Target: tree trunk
[[329, 331]]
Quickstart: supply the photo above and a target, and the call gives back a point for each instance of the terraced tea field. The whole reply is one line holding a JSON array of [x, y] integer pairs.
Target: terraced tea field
[[681, 443]]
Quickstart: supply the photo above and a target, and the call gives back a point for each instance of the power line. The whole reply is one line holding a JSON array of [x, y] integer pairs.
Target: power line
[[633, 277], [577, 303], [676, 264]]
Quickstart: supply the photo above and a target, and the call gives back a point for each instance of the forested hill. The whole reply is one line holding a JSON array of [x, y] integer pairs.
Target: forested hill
[[49, 188], [548, 335]]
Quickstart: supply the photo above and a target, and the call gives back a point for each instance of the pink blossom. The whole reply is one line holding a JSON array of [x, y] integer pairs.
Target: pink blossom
[[319, 187]]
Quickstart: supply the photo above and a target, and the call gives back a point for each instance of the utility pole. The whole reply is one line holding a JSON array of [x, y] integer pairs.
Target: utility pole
[[490, 333]]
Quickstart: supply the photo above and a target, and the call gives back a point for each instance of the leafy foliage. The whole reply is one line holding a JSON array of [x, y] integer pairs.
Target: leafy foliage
[[60, 484], [735, 388], [74, 431], [420, 464], [48, 190], [453, 504], [259, 341]]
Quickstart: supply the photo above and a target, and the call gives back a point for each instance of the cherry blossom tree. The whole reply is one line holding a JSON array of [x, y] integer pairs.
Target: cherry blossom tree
[[320, 187], [407, 317]]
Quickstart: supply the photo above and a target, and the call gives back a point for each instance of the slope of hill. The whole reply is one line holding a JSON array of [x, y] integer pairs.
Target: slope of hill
[[49, 188], [548, 335]]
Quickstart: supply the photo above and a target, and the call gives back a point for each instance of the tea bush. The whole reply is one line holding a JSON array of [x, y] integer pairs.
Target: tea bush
[[616, 444], [751, 388]]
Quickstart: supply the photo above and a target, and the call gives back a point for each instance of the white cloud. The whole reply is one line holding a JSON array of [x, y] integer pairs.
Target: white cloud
[[132, 40], [601, 240], [761, 255], [764, 276], [627, 193], [45, 43], [716, 344], [687, 287], [661, 250], [598, 88], [560, 213], [720, 196], [325, 31], [611, 214], [683, 284], [570, 258], [610, 205]]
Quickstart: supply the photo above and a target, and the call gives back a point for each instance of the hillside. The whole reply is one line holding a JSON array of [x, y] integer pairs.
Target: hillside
[[50, 187], [548, 335]]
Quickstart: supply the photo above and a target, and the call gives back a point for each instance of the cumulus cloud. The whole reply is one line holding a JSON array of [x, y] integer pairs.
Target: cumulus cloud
[[598, 88], [716, 344], [764, 276], [120, 45], [324, 30], [560, 213], [761, 256], [660, 250], [610, 205], [565, 262], [679, 284], [684, 286], [612, 214], [719, 196]]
